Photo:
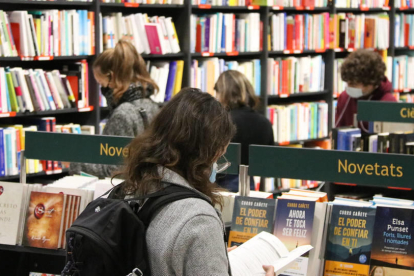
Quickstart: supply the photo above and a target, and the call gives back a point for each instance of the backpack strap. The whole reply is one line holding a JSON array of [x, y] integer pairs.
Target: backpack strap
[[168, 195], [144, 116]]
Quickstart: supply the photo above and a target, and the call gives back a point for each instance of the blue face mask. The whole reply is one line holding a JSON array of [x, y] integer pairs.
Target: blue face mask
[[213, 173]]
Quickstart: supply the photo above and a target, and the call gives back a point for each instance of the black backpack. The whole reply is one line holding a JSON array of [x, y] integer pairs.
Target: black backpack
[[108, 237]]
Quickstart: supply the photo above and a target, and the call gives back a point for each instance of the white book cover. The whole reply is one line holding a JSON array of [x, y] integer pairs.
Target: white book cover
[[54, 90], [140, 21], [40, 89], [175, 47], [46, 89], [58, 84], [69, 191], [10, 206], [3, 90], [32, 35], [167, 43], [263, 249]]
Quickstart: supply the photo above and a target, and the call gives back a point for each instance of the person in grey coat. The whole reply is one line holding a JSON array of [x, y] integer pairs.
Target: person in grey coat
[[181, 147], [127, 86]]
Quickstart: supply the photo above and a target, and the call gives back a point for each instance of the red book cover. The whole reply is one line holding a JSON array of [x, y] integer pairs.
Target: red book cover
[[289, 36], [296, 40], [153, 39], [198, 38], [234, 33], [59, 35], [15, 29], [261, 36], [406, 33], [285, 77], [74, 84], [43, 220], [86, 82], [351, 31]]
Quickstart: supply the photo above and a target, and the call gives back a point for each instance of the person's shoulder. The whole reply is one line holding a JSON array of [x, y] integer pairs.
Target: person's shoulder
[[388, 97], [343, 97]]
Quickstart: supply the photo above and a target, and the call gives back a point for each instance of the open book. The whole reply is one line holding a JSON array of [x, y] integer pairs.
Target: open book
[[263, 249]]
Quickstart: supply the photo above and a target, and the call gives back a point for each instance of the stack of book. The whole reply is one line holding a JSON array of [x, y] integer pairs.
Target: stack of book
[[49, 33], [355, 4], [36, 90], [404, 24], [12, 143], [38, 216], [232, 3], [168, 76], [204, 73], [403, 68], [351, 31], [226, 32], [299, 32], [176, 2], [299, 3], [295, 75], [150, 35], [300, 121]]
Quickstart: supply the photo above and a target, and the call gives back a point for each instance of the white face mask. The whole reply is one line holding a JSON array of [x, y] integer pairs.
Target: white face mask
[[354, 92]]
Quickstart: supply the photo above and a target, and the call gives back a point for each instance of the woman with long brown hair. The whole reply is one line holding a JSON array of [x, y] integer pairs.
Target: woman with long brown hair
[[127, 86], [181, 147], [236, 93]]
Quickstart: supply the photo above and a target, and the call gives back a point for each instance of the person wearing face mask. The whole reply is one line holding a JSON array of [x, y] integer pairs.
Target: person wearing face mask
[[364, 73], [127, 87]]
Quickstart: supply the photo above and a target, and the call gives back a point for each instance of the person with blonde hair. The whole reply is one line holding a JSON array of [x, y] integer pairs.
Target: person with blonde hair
[[127, 87], [236, 93]]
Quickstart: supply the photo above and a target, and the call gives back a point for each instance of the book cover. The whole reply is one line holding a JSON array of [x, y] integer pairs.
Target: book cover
[[293, 226], [10, 203], [393, 251], [43, 220], [154, 38], [250, 217], [348, 248]]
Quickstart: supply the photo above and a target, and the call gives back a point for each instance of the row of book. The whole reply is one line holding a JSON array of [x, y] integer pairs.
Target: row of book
[[47, 33], [354, 31], [356, 4], [299, 121], [341, 234], [29, 219], [298, 3], [404, 24], [295, 75], [299, 32], [168, 76], [226, 32], [149, 35], [204, 73], [232, 3], [404, 4], [36, 90], [403, 70], [168, 2], [352, 139], [12, 143], [404, 98]]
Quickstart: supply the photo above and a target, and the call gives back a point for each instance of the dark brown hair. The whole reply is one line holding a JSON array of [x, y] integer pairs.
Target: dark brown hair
[[126, 65], [363, 66], [235, 90], [187, 136]]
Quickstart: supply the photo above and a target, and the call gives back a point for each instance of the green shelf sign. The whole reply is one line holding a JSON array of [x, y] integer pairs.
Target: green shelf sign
[[98, 149], [374, 111], [368, 169]]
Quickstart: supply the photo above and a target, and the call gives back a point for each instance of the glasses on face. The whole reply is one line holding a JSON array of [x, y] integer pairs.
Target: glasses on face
[[222, 164]]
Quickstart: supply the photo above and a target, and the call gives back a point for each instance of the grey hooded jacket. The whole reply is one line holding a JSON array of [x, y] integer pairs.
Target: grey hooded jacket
[[186, 236]]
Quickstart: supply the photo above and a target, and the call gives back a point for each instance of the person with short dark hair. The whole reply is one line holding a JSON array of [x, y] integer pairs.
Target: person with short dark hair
[[364, 73], [236, 93]]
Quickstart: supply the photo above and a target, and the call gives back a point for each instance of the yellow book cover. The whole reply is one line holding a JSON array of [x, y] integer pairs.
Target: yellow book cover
[[38, 24], [175, 33], [210, 77], [233, 3], [43, 220], [178, 77]]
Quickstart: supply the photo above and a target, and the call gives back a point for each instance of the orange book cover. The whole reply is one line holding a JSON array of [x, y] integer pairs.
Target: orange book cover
[[369, 33], [210, 77], [91, 17], [65, 219], [43, 220], [284, 77], [74, 84]]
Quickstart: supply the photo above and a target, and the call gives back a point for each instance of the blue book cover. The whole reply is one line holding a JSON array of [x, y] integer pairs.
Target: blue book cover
[[7, 95], [285, 31], [393, 250], [2, 154], [223, 35], [350, 236], [257, 76], [203, 33], [170, 81], [344, 137], [8, 146], [206, 46], [293, 227], [306, 31]]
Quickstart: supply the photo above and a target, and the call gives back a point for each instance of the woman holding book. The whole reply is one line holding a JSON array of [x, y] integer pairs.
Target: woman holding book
[[127, 86], [237, 95], [364, 73], [181, 148]]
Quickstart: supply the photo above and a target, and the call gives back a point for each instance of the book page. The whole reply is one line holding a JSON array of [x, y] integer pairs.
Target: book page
[[263, 249]]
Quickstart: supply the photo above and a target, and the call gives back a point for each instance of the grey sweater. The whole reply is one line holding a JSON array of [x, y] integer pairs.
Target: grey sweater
[[186, 237], [124, 120]]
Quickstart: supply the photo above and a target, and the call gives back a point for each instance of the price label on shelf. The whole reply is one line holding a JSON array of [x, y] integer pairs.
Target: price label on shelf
[[406, 90], [411, 47], [131, 5], [7, 114], [207, 54], [23, 58], [204, 6], [85, 109], [404, 8], [364, 8], [43, 58], [287, 52], [386, 8], [284, 143], [339, 50], [253, 7], [297, 51], [234, 53], [277, 8], [350, 49], [310, 8], [320, 50], [284, 95]]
